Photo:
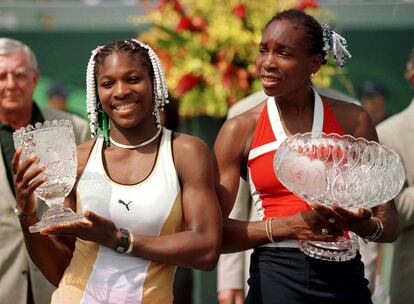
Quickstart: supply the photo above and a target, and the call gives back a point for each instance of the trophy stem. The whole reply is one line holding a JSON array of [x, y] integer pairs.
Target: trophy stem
[[56, 214], [55, 202]]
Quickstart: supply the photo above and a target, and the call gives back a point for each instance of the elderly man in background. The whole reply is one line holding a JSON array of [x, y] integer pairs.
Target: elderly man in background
[[397, 132], [20, 281]]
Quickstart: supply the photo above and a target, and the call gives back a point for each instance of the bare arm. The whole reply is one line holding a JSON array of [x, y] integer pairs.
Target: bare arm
[[51, 254], [356, 121], [198, 246], [241, 235], [387, 213]]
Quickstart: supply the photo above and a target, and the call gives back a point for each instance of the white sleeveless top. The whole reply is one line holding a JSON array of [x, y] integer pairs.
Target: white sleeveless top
[[152, 207]]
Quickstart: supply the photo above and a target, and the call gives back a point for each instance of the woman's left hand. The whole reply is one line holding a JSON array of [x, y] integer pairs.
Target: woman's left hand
[[93, 228], [358, 221]]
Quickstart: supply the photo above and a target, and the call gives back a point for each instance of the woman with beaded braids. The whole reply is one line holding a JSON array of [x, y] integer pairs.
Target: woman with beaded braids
[[147, 193], [292, 49]]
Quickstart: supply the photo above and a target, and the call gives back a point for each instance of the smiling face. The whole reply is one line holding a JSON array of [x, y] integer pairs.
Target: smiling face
[[285, 62], [125, 90]]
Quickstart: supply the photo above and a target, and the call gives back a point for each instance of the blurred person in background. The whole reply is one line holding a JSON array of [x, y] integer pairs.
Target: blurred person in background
[[397, 132], [20, 280], [374, 97], [57, 96]]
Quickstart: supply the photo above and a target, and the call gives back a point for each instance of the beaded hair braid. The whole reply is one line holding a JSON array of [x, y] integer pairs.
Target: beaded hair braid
[[336, 45], [98, 119]]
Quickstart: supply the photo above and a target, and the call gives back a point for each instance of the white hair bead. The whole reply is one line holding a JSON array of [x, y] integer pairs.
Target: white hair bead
[[159, 86]]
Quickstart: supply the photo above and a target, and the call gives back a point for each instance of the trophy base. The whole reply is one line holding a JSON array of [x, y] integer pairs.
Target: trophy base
[[55, 215], [340, 251]]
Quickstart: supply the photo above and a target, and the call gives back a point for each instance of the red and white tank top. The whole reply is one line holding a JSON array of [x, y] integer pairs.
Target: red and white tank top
[[270, 197]]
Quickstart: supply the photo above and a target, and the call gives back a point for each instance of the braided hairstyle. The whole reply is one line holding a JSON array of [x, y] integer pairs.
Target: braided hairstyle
[[98, 119], [321, 38], [129, 47], [313, 30]]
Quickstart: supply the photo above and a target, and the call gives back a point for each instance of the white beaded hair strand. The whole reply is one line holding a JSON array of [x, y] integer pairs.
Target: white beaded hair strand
[[159, 86], [335, 45], [91, 104]]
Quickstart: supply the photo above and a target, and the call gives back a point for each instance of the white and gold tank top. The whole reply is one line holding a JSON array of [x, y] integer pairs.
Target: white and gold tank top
[[152, 207]]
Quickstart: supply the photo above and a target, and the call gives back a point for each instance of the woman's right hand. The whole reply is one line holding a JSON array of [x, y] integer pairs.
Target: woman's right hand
[[306, 225], [24, 183]]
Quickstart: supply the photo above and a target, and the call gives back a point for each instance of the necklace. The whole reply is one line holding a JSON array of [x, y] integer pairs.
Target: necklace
[[138, 145]]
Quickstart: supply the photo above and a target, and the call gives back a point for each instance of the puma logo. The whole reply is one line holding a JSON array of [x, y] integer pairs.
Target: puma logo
[[125, 204]]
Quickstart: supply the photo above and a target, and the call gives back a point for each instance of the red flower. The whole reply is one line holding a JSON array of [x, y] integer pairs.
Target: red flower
[[185, 24], [243, 78], [227, 75], [186, 83], [240, 11], [304, 4], [178, 8]]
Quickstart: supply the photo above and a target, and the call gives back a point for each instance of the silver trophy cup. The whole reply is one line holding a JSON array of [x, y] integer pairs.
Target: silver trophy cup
[[329, 168], [54, 145]]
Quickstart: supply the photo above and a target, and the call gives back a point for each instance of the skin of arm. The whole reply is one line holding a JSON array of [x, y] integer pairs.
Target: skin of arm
[[198, 246], [356, 122], [230, 155], [44, 249], [239, 235]]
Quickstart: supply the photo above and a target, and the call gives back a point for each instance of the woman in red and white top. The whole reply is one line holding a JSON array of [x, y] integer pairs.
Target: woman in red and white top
[[292, 49]]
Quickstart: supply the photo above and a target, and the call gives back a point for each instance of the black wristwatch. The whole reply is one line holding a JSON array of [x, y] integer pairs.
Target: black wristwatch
[[123, 243]]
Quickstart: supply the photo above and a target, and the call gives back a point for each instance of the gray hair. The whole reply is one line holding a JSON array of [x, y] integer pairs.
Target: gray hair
[[11, 46]]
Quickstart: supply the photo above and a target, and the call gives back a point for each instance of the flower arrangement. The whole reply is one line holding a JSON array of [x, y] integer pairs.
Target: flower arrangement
[[208, 49]]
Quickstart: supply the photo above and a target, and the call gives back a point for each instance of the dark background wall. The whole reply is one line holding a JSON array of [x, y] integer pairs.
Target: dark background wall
[[380, 54]]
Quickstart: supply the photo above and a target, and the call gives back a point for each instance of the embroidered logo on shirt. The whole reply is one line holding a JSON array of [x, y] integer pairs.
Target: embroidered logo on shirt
[[125, 204]]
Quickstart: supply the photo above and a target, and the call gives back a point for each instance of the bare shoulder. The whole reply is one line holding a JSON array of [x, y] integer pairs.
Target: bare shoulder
[[244, 124], [83, 152], [353, 118], [187, 144], [192, 157], [234, 139]]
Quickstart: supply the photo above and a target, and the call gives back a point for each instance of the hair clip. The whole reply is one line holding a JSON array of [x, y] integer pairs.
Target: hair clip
[[98, 49], [335, 45]]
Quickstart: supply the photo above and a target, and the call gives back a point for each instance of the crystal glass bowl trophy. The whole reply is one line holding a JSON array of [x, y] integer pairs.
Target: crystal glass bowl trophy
[[328, 169], [54, 145]]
